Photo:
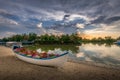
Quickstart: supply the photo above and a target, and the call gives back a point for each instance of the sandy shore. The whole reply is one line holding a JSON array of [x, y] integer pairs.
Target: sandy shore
[[12, 68]]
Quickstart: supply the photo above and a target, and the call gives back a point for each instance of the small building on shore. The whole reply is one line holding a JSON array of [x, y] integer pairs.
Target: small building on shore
[[11, 43]]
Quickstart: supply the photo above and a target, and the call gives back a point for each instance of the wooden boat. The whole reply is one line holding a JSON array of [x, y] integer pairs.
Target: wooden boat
[[56, 61]]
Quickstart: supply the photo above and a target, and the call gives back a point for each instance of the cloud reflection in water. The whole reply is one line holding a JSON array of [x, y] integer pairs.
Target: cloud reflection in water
[[100, 54]]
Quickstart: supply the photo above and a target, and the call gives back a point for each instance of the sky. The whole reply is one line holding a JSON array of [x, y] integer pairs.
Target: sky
[[90, 18]]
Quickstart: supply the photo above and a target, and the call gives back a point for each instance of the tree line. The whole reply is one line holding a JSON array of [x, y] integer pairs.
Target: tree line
[[44, 39], [61, 39]]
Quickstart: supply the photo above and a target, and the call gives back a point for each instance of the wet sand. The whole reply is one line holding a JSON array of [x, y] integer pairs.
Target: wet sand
[[11, 68]]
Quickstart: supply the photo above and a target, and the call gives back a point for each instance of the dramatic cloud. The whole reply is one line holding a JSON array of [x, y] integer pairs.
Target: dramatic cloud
[[64, 16]]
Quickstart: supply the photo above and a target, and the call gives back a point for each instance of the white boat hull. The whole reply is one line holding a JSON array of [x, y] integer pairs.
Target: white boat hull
[[57, 61]]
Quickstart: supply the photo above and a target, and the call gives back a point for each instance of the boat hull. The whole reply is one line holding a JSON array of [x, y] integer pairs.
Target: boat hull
[[57, 61]]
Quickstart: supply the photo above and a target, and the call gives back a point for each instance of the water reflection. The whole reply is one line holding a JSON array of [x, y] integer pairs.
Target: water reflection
[[73, 48], [99, 53]]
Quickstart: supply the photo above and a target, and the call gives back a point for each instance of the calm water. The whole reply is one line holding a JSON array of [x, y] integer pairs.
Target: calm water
[[105, 54]]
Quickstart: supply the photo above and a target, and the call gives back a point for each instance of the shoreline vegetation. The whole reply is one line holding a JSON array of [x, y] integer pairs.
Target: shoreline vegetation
[[58, 39]]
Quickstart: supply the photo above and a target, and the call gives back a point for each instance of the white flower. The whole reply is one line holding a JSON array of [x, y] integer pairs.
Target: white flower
[[58, 51], [50, 51], [39, 50]]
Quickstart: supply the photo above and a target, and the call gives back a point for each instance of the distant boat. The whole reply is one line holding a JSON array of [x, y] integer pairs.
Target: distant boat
[[55, 61], [11, 43], [117, 42]]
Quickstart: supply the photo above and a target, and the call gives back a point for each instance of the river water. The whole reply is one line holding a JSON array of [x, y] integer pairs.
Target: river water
[[105, 54], [96, 53]]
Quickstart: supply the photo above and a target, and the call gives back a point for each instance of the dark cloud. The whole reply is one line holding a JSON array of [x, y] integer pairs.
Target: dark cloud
[[112, 19], [91, 8], [9, 28], [103, 19], [9, 15], [66, 16], [98, 20]]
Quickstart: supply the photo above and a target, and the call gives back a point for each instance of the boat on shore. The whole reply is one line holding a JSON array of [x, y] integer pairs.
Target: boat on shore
[[55, 61]]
